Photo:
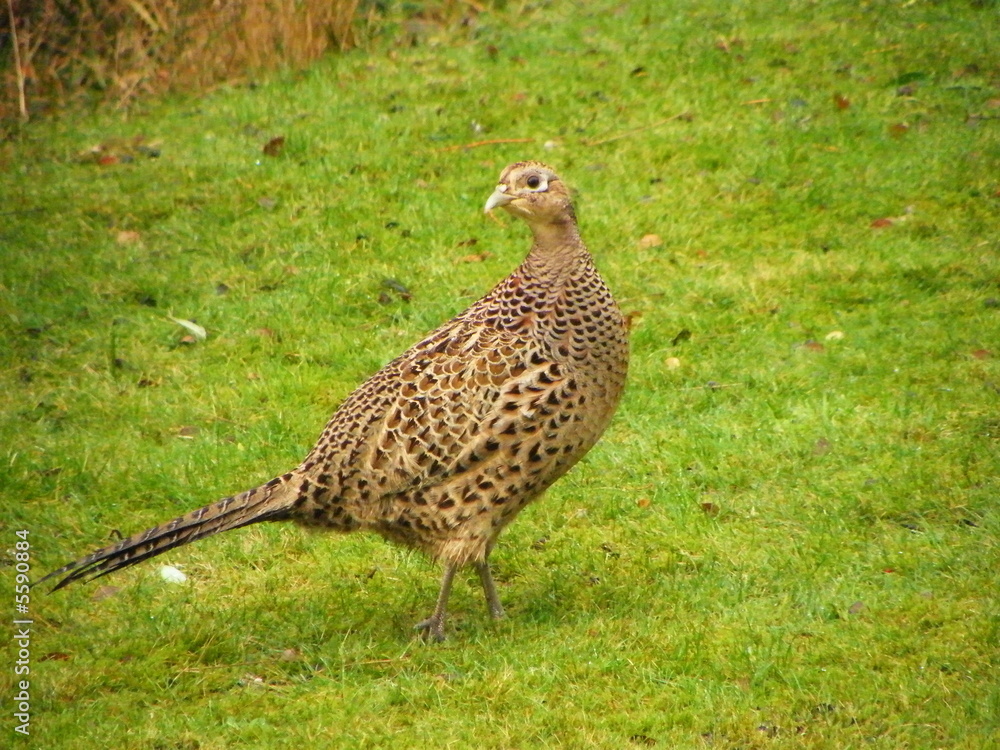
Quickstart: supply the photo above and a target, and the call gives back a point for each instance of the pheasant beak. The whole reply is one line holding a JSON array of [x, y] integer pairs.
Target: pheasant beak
[[499, 198]]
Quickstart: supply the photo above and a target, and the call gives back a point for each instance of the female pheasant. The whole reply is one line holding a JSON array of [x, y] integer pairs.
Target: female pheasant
[[444, 446]]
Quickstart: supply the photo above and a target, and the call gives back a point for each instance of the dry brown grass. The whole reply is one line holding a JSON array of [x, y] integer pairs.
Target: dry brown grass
[[59, 51]]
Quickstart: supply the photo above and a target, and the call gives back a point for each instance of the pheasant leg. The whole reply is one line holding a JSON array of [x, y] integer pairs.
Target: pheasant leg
[[490, 589], [433, 626]]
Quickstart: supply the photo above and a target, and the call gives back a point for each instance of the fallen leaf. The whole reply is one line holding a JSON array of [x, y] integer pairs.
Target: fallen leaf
[[397, 287], [642, 739], [267, 203], [822, 447], [170, 574], [274, 146], [199, 333], [266, 333], [252, 680], [469, 242], [187, 431], [650, 240], [642, 502], [899, 129], [841, 101], [710, 509], [982, 353], [834, 336], [856, 607], [910, 77], [476, 257], [814, 346], [56, 656], [127, 237], [104, 592], [881, 223], [672, 363]]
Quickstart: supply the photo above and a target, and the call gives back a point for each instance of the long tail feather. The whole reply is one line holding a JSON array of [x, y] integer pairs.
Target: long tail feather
[[269, 502]]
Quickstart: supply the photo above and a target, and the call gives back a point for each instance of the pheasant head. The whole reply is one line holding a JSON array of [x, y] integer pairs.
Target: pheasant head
[[533, 192]]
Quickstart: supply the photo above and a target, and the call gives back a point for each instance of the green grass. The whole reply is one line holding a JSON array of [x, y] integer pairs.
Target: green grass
[[787, 539]]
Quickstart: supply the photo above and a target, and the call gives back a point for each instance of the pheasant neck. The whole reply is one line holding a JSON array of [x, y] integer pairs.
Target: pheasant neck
[[557, 249]]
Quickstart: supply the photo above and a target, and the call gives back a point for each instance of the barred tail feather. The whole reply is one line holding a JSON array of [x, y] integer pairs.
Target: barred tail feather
[[269, 502]]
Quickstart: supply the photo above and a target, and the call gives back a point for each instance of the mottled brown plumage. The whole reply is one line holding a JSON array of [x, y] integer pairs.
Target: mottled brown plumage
[[442, 447]]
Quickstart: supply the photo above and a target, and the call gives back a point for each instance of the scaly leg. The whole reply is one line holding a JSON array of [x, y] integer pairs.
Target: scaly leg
[[490, 589], [433, 626]]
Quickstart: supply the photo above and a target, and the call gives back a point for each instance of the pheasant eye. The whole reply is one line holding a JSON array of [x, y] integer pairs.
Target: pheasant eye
[[533, 181]]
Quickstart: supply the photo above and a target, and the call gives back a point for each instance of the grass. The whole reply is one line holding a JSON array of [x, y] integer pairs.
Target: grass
[[787, 539]]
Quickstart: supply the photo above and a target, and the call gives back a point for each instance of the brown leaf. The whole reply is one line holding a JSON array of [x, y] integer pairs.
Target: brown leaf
[[856, 607], [476, 257], [882, 223], [814, 346], [469, 242], [642, 739], [650, 240], [127, 237], [982, 353], [56, 656], [642, 502], [841, 101], [274, 146], [187, 431], [899, 129], [710, 509]]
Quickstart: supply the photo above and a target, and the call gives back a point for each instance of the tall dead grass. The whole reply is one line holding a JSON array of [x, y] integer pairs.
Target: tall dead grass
[[59, 51]]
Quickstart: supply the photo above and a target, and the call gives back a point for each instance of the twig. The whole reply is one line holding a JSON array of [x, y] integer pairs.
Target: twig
[[22, 104], [711, 386], [490, 142], [627, 133]]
